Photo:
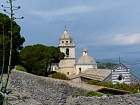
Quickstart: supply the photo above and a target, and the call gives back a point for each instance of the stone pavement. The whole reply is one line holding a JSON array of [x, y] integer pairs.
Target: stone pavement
[[85, 86]]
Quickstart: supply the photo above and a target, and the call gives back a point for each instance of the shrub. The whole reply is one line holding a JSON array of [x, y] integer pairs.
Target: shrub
[[109, 94], [130, 88], [92, 93], [95, 82], [58, 75], [20, 68]]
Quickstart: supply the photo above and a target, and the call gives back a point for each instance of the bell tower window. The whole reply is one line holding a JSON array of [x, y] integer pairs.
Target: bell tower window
[[79, 70], [67, 52]]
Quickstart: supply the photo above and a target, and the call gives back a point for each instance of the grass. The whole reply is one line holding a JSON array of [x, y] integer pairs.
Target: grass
[[131, 88], [58, 75], [93, 93], [20, 68]]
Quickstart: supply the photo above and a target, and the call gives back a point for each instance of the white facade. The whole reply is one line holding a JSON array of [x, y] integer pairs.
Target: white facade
[[83, 68], [71, 51], [54, 67], [121, 74]]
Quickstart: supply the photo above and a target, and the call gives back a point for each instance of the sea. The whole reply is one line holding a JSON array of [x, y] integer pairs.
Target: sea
[[135, 69]]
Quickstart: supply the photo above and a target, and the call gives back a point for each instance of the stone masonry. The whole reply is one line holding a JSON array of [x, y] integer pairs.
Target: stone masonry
[[28, 89]]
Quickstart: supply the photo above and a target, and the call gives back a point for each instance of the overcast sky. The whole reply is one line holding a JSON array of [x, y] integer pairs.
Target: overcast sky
[[108, 28]]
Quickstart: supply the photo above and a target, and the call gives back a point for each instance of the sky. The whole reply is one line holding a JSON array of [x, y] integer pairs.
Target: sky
[[108, 28]]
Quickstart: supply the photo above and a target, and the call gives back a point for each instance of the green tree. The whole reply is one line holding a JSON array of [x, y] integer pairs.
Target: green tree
[[37, 59], [107, 65], [18, 40]]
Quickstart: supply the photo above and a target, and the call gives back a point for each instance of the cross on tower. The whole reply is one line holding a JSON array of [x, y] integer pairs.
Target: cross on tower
[[65, 29]]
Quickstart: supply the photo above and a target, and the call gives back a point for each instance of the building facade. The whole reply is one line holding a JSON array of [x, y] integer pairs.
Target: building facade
[[67, 46], [121, 74], [85, 68]]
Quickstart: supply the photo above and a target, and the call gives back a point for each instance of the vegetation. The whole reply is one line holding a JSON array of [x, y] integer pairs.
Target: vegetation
[[20, 68], [58, 75], [130, 88], [18, 40], [108, 65], [10, 44], [37, 59], [93, 93]]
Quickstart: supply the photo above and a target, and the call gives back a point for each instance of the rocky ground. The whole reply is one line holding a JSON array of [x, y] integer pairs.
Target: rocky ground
[[112, 100], [28, 89]]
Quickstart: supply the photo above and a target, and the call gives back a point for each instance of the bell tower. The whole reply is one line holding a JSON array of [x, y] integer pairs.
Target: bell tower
[[67, 46]]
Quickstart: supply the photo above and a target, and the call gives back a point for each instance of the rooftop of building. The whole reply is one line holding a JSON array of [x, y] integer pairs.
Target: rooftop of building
[[65, 35], [85, 58], [94, 74]]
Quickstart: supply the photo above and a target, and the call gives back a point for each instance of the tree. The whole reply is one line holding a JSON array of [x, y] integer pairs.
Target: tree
[[11, 42], [18, 40], [37, 59], [107, 65]]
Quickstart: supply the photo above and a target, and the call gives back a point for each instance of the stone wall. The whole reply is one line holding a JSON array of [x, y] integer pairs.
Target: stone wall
[[28, 89], [112, 100], [46, 91]]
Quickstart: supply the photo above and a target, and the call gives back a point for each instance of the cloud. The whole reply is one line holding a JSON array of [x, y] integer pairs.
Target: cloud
[[63, 11], [129, 39], [112, 40]]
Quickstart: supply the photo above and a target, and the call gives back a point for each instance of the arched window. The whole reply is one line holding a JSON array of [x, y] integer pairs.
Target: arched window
[[120, 77], [68, 73], [79, 70], [67, 52]]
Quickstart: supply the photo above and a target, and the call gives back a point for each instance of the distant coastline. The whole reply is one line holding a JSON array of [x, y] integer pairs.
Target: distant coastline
[[134, 64]]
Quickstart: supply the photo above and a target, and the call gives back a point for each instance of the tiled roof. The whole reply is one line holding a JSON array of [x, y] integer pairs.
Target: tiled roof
[[96, 74], [65, 36], [86, 60]]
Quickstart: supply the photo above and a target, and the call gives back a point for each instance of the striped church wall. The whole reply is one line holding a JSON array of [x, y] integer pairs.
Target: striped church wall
[[121, 74]]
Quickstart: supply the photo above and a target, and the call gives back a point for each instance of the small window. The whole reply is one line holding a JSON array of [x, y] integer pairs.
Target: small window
[[120, 77], [62, 41], [79, 70], [68, 73], [67, 52], [66, 41]]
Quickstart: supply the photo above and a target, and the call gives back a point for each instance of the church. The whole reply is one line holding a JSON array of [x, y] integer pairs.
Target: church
[[85, 68]]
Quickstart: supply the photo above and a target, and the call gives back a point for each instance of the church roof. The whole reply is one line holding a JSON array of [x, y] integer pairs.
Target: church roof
[[94, 74], [121, 66], [65, 36], [85, 50], [85, 58]]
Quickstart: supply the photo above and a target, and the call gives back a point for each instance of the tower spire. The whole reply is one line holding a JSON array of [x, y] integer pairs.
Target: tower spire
[[119, 59], [65, 29]]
